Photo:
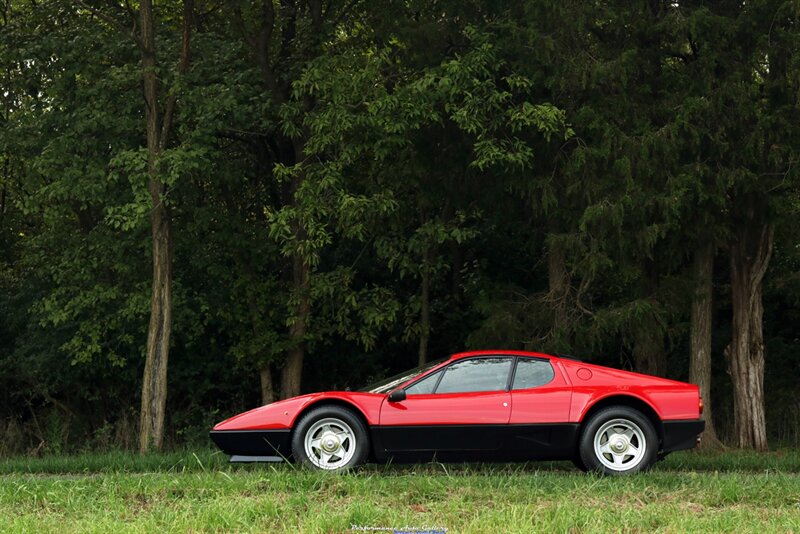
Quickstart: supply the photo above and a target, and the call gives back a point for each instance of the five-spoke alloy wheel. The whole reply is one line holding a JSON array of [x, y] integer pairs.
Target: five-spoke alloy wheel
[[618, 440], [331, 438]]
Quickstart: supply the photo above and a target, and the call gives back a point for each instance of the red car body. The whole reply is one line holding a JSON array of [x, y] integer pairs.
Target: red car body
[[542, 422]]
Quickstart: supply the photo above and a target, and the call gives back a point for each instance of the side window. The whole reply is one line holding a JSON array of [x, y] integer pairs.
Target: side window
[[532, 373], [424, 386], [477, 374]]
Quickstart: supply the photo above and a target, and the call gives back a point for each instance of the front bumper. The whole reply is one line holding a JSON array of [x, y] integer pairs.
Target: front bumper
[[681, 435], [274, 444]]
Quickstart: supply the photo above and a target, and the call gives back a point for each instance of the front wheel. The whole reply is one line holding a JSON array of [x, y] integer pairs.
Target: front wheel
[[331, 438], [618, 441]]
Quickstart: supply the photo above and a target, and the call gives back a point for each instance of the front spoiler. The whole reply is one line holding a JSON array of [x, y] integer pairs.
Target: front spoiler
[[681, 435], [254, 445], [241, 459]]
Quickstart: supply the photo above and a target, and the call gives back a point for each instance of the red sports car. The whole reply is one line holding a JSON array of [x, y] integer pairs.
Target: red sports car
[[487, 405]]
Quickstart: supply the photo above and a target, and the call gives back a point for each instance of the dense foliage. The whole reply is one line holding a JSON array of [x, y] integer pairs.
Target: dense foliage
[[330, 190]]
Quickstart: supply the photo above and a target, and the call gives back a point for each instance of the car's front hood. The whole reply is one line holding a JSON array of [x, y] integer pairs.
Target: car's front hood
[[272, 416], [282, 414]]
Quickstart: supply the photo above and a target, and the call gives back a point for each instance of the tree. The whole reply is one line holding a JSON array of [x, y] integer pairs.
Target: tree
[[159, 129], [701, 331], [282, 43], [159, 111]]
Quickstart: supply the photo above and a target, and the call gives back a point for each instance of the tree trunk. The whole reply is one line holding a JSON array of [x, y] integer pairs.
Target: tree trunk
[[6, 159], [6, 176], [267, 391], [265, 373], [292, 373], [154, 383], [154, 386], [750, 254], [700, 357], [154, 390], [425, 310]]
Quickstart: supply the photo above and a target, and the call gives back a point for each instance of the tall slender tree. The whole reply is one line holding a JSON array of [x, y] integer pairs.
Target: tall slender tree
[[159, 129]]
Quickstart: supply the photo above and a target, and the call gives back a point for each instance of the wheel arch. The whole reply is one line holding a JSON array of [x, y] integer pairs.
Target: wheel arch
[[631, 402], [327, 401]]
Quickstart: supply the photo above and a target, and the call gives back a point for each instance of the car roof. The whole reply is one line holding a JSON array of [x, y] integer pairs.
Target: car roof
[[472, 354]]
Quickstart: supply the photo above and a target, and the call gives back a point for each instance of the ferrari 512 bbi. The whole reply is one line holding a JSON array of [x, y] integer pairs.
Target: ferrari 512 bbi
[[487, 405]]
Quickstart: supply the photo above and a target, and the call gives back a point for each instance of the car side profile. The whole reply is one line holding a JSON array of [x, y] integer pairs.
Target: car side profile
[[485, 405]]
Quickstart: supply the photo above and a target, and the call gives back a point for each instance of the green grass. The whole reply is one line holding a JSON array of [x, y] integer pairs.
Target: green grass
[[184, 492]]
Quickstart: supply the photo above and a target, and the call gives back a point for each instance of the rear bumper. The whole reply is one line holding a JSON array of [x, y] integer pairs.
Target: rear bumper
[[680, 435], [261, 443]]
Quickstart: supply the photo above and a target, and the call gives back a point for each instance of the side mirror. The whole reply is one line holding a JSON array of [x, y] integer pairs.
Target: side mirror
[[398, 395]]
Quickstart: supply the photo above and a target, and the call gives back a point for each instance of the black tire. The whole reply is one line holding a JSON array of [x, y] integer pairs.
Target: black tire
[[335, 417], [603, 422], [576, 460]]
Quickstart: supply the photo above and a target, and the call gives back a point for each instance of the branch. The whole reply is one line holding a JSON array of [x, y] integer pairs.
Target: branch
[[262, 42], [763, 253], [315, 10], [114, 23], [183, 67], [238, 21], [133, 16], [289, 28]]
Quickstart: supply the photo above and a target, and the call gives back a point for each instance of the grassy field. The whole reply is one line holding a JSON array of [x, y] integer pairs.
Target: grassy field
[[190, 492]]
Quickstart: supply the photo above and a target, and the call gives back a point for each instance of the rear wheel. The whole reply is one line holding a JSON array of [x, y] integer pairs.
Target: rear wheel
[[330, 438], [618, 441]]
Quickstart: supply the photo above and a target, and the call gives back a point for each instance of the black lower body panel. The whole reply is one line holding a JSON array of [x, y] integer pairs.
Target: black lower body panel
[[556, 441], [551, 441], [681, 435], [266, 443]]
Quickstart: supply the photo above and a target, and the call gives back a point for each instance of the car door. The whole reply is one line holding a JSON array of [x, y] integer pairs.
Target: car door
[[540, 398], [454, 409]]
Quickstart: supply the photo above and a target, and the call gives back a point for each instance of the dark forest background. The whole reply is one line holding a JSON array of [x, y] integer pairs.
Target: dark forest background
[[207, 205]]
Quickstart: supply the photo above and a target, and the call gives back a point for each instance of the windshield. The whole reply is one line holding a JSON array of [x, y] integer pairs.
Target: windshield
[[388, 384]]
